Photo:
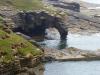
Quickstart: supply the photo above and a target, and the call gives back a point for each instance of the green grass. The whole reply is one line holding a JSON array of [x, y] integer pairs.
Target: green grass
[[23, 4], [5, 46], [28, 4]]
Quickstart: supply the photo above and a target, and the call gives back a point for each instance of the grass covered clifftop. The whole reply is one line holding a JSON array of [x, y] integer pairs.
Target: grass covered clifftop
[[27, 4], [22, 4], [13, 46], [30, 5]]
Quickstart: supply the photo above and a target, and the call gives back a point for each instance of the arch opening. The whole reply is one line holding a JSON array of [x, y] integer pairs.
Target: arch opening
[[52, 33]]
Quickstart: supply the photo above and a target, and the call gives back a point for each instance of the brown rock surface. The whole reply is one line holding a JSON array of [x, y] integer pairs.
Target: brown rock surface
[[69, 54]]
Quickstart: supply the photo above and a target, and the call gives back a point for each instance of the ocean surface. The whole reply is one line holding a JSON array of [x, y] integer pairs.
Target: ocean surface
[[85, 42], [73, 68]]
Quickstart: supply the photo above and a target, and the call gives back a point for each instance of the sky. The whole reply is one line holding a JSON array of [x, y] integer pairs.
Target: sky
[[92, 1]]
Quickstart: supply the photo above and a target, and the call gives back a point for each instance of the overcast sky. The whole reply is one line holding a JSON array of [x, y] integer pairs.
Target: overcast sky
[[93, 1]]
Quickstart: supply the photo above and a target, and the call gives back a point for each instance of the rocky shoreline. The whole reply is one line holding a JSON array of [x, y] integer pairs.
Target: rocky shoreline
[[30, 22], [70, 54], [78, 21]]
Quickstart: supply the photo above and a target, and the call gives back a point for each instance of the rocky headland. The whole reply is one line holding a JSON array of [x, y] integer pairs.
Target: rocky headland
[[20, 54]]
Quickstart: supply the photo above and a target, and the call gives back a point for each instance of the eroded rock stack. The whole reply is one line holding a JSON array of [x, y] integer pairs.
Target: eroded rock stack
[[35, 23]]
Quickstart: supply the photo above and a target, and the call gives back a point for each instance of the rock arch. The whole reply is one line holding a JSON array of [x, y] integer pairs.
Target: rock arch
[[35, 23]]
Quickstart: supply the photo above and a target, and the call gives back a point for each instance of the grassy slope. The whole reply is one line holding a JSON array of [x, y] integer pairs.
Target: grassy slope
[[5, 44], [29, 5], [13, 39], [25, 4]]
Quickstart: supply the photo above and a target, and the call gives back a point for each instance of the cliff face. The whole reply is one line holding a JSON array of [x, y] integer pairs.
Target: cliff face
[[35, 23]]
